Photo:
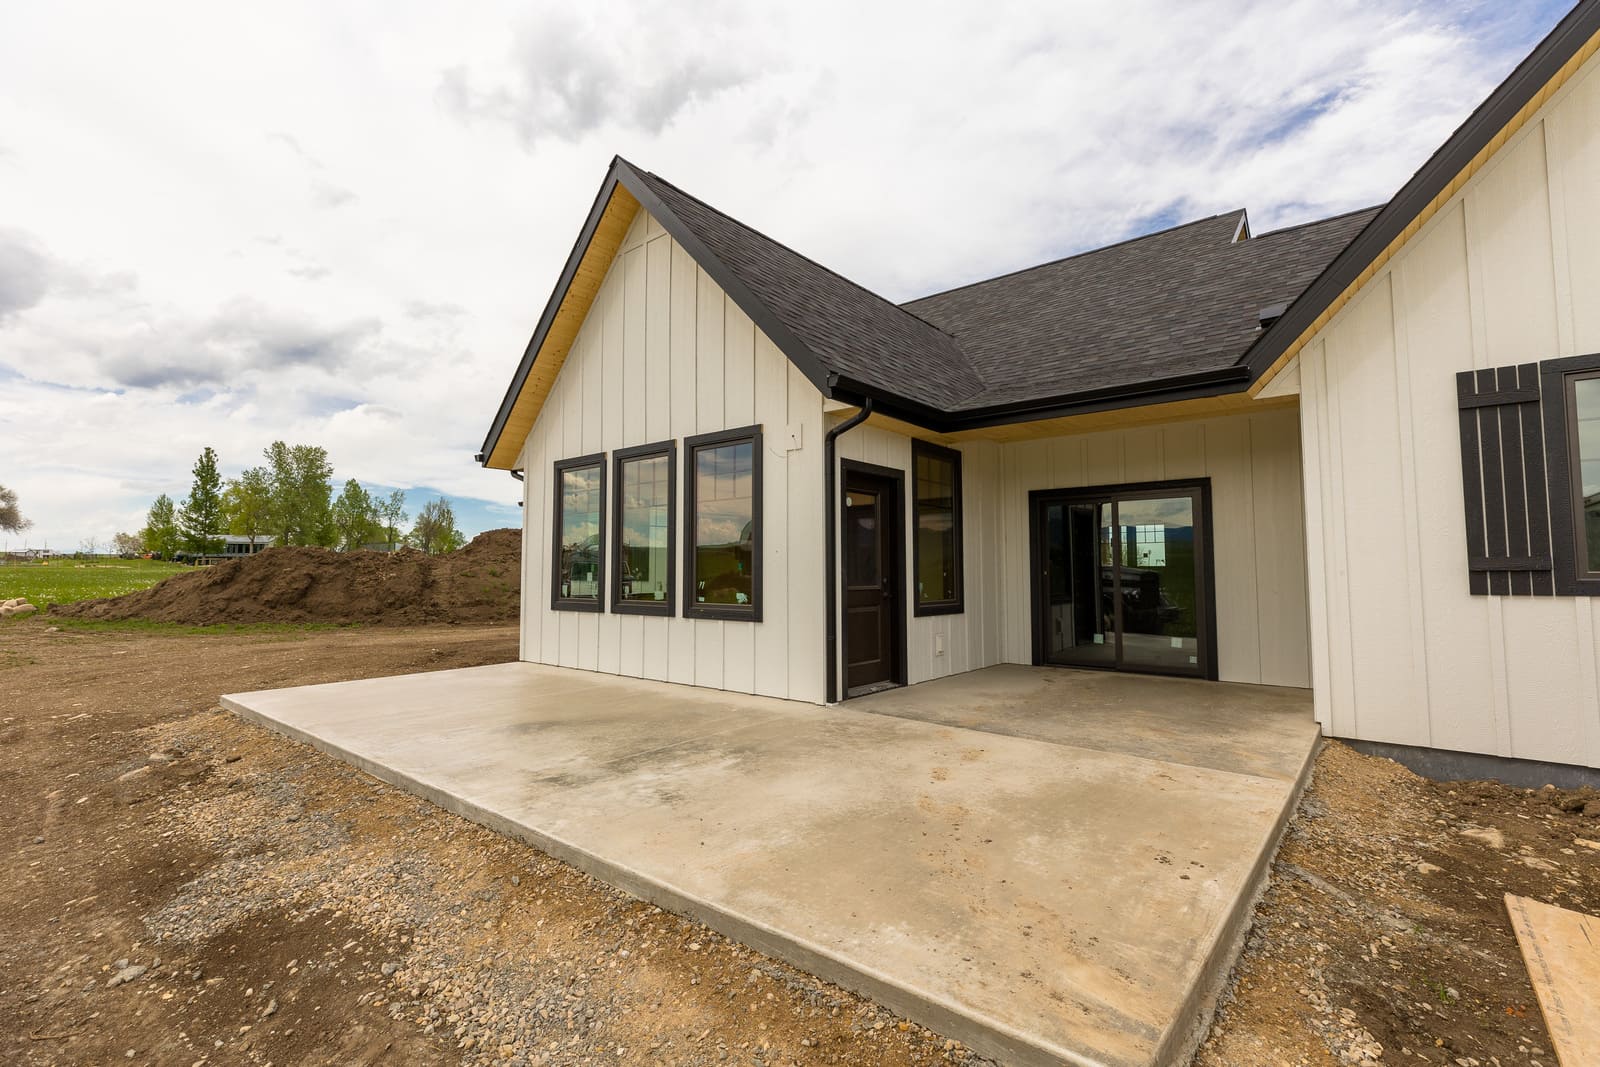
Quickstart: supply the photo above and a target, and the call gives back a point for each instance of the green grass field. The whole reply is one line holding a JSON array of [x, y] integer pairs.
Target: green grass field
[[62, 581]]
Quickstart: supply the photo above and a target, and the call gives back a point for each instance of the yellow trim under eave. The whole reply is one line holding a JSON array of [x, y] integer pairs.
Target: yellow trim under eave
[[1477, 163], [575, 304]]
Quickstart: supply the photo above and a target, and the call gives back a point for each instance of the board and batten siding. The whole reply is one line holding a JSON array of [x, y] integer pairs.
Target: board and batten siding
[[940, 645], [1253, 462], [1505, 273], [666, 354]]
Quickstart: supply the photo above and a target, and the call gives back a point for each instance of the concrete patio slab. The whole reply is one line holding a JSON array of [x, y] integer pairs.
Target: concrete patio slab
[[1024, 887]]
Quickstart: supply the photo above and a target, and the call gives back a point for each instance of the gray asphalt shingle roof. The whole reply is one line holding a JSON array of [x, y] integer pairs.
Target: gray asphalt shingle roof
[[1177, 302]]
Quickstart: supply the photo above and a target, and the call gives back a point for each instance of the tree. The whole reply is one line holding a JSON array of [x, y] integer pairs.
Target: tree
[[11, 520], [301, 482], [247, 504], [392, 512], [355, 516], [435, 531], [128, 544], [200, 514], [160, 533]]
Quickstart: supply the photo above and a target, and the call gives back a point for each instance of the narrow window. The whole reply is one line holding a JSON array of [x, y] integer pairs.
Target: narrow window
[[723, 523], [1583, 417], [936, 508], [578, 561], [646, 482]]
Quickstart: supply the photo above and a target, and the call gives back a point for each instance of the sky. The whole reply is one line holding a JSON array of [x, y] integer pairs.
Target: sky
[[226, 225]]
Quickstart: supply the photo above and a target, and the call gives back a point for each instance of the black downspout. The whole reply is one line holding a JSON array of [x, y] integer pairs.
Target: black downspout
[[831, 541]]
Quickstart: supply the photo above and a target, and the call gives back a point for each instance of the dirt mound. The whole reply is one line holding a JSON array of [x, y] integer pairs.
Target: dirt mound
[[480, 583]]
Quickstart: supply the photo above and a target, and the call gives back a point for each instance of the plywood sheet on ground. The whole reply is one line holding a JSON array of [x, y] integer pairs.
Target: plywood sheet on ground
[[1562, 951]]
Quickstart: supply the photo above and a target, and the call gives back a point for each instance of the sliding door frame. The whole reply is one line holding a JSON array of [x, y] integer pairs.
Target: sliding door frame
[[1205, 567]]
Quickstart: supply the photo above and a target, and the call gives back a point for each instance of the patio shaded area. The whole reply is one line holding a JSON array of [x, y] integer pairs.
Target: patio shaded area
[[1051, 866]]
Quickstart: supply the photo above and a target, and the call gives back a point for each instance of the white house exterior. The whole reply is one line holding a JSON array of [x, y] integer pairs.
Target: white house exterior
[[1297, 491]]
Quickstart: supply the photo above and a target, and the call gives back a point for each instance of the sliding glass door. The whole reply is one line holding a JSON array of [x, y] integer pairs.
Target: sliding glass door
[[1121, 579]]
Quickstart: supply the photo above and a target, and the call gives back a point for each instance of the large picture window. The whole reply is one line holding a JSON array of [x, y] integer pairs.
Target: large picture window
[[936, 522], [722, 520], [578, 552], [645, 480]]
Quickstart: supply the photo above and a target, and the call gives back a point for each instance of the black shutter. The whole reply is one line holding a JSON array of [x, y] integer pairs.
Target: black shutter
[[1502, 473]]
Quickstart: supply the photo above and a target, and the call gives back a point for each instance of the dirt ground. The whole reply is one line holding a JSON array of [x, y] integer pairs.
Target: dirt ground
[[287, 909], [290, 910], [1383, 937], [479, 583]]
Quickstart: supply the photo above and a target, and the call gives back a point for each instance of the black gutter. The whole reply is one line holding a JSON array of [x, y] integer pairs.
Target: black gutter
[[1218, 382], [1491, 116], [831, 541]]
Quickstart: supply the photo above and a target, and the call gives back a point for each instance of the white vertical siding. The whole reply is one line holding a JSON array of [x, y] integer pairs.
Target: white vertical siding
[[665, 355], [1253, 462], [1501, 275]]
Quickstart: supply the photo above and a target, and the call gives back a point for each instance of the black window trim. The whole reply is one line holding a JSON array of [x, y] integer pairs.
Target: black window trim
[[557, 601], [667, 607], [725, 612], [921, 608], [1572, 578]]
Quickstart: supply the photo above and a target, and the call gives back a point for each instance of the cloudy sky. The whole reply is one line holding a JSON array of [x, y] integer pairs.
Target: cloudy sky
[[337, 224]]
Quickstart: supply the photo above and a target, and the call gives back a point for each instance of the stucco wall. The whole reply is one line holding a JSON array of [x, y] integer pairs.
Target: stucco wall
[[666, 354], [1507, 272]]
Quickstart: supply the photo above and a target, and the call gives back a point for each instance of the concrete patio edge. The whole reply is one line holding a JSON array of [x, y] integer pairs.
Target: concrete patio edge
[[1181, 1042]]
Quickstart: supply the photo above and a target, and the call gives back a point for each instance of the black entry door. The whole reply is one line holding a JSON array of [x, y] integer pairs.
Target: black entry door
[[873, 604], [1122, 579]]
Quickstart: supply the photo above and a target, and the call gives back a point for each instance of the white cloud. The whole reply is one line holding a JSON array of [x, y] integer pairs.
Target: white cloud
[[224, 225]]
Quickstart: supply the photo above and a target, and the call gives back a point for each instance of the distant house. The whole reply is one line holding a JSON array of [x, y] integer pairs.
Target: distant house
[[1353, 455], [236, 545]]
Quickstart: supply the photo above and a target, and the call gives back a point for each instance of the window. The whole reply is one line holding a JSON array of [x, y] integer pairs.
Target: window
[[722, 520], [1583, 422], [936, 517], [646, 482], [578, 557], [1571, 389]]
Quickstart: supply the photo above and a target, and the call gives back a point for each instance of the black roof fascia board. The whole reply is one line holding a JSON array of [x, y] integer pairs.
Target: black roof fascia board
[[775, 329], [1197, 386], [1490, 117], [529, 354]]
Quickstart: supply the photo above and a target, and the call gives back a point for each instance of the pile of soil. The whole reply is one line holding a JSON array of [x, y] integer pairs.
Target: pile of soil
[[480, 583]]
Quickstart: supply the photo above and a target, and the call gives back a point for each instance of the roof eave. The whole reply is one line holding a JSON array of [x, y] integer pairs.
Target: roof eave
[[1199, 385]]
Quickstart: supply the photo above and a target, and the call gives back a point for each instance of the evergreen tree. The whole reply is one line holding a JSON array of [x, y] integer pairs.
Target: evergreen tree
[[160, 533], [200, 514]]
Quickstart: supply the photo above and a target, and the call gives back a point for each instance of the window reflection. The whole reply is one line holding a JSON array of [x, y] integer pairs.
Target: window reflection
[[644, 572], [1586, 418], [724, 524], [578, 566]]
